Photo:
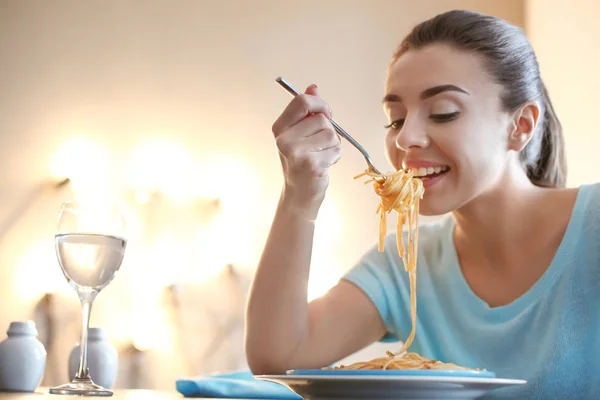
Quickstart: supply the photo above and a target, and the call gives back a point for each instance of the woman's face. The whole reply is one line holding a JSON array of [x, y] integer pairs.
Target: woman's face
[[447, 125]]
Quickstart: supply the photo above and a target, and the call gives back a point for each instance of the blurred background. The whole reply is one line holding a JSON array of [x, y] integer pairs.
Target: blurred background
[[167, 107]]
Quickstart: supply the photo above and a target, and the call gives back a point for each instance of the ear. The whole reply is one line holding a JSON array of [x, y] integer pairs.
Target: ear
[[524, 125]]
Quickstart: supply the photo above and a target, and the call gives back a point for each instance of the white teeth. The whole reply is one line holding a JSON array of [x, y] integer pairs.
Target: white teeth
[[422, 172]]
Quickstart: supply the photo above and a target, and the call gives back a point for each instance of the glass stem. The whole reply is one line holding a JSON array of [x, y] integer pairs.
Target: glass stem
[[86, 308]]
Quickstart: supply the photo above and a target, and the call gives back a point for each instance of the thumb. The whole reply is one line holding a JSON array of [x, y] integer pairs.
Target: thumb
[[312, 90]]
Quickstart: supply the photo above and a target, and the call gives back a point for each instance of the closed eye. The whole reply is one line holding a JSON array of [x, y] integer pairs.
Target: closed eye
[[397, 124], [444, 117], [440, 118]]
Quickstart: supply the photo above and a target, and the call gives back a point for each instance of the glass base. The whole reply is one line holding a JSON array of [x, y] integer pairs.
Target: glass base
[[81, 387]]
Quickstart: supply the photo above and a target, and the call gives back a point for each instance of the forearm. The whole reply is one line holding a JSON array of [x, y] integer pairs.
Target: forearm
[[277, 314]]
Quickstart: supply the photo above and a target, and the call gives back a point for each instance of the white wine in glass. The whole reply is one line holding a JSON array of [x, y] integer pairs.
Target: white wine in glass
[[90, 245]]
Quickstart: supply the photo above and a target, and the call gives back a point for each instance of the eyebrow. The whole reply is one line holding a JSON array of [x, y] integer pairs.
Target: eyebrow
[[427, 93]]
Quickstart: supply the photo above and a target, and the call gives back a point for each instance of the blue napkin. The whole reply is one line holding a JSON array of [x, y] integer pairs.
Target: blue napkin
[[240, 385]]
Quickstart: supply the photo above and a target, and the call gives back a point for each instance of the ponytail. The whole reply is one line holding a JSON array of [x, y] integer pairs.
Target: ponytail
[[545, 160]]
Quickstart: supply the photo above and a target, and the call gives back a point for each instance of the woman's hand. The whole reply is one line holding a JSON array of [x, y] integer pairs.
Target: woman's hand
[[308, 145]]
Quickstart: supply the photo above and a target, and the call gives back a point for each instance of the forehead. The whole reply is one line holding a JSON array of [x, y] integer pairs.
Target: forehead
[[438, 64]]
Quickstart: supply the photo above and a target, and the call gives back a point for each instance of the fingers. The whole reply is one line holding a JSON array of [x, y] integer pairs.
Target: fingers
[[312, 155], [299, 108], [314, 164], [314, 133], [322, 140]]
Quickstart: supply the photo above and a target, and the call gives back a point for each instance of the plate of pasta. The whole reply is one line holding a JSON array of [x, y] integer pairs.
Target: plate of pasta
[[393, 386], [401, 374]]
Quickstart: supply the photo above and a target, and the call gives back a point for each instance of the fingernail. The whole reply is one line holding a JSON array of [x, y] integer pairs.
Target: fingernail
[[313, 86]]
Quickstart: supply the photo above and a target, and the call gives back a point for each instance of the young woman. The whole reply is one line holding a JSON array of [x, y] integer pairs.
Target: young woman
[[509, 283]]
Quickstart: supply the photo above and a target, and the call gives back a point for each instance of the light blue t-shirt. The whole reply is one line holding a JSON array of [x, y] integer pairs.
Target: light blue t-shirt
[[550, 336]]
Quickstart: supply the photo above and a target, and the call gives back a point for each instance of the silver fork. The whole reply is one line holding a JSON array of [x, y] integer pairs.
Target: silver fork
[[338, 129]]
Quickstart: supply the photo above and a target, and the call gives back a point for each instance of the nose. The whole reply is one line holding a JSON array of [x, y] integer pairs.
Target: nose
[[412, 136]]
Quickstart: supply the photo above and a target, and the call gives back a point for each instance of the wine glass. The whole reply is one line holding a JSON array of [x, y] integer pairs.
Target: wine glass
[[90, 245]]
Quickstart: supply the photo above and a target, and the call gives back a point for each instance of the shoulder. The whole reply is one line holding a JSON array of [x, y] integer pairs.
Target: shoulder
[[586, 212], [580, 205], [588, 195], [580, 208], [587, 203]]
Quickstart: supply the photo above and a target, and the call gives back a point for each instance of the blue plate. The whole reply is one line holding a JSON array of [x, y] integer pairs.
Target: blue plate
[[393, 372]]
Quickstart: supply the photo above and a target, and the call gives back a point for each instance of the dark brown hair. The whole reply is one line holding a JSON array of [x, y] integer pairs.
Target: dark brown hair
[[511, 61]]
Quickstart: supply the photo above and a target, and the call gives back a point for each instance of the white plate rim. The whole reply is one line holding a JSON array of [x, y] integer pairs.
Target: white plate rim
[[396, 378]]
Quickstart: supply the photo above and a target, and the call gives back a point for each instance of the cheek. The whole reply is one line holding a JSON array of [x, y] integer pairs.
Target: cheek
[[476, 150], [466, 149], [393, 154], [450, 143], [483, 150], [469, 143], [478, 155]]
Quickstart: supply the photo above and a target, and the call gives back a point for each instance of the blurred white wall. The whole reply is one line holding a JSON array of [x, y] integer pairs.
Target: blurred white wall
[[565, 37]]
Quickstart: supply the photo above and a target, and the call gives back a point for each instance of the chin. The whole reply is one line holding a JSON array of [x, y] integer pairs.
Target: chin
[[433, 207]]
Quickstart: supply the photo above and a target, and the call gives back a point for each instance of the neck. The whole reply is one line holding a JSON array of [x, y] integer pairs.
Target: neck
[[495, 223]]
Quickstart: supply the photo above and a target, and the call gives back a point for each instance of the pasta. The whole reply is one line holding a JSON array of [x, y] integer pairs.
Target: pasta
[[405, 361], [401, 192]]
